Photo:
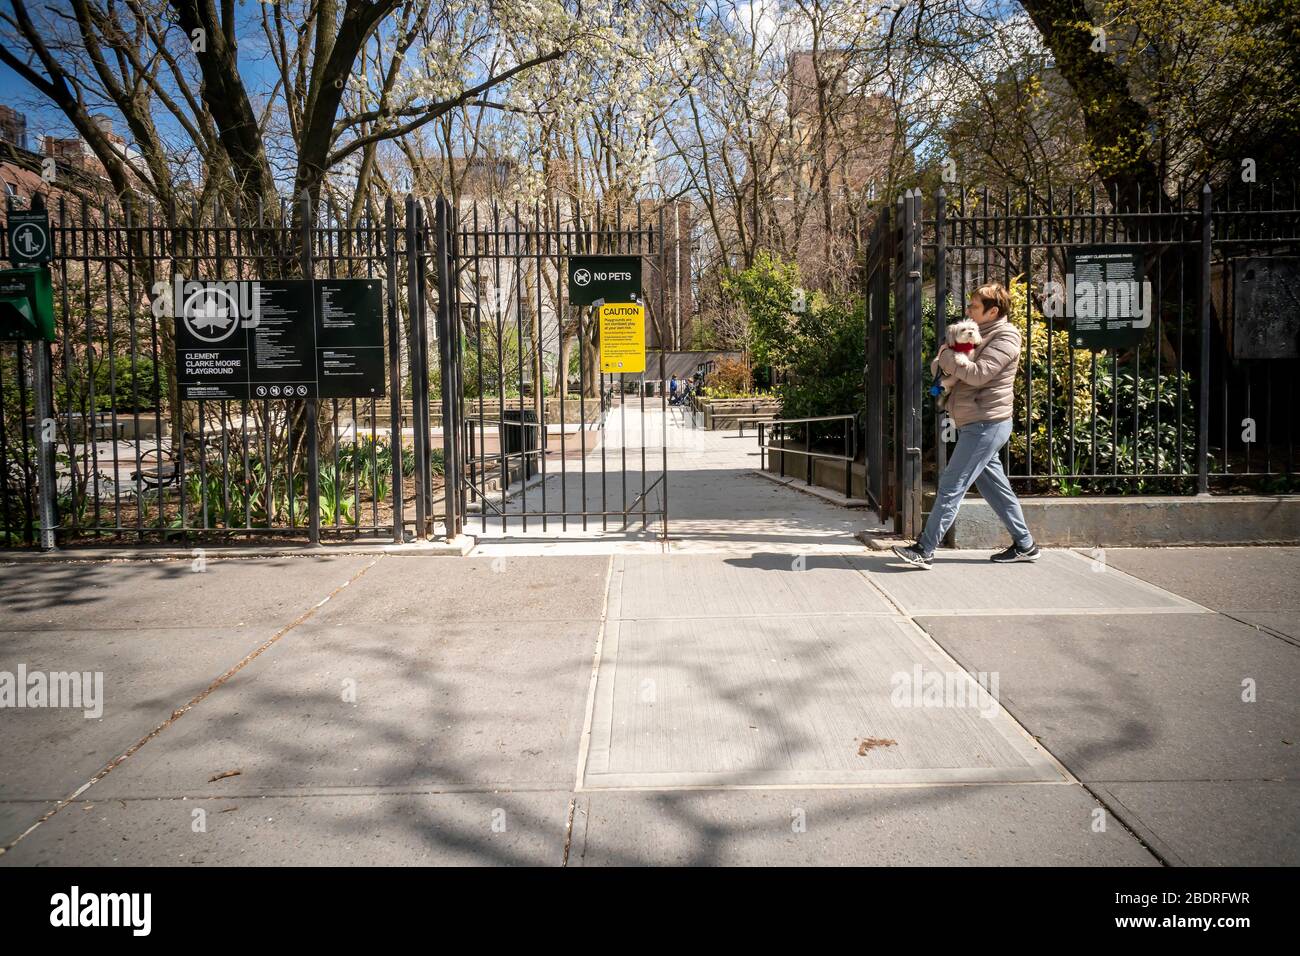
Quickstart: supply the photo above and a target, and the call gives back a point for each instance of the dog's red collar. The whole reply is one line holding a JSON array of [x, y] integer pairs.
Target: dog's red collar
[[964, 347]]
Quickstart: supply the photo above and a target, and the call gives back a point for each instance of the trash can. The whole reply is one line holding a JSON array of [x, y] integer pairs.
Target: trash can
[[519, 433]]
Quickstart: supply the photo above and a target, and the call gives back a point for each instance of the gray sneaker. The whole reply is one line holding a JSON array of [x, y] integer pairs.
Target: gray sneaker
[[1014, 553], [914, 556]]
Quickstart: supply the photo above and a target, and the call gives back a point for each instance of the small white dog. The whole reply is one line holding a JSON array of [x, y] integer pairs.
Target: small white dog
[[963, 337]]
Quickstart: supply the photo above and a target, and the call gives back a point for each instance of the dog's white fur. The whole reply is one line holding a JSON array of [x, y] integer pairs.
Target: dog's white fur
[[958, 333]]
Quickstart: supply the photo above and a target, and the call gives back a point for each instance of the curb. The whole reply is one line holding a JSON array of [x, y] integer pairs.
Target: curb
[[873, 540], [457, 547], [817, 491]]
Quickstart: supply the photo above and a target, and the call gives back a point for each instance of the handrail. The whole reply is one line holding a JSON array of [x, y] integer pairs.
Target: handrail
[[850, 442], [759, 419], [815, 418], [508, 424]]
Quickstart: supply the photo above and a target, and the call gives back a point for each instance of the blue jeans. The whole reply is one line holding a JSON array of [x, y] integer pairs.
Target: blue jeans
[[976, 461]]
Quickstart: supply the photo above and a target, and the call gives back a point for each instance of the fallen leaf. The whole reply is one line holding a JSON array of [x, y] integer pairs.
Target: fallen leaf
[[871, 743]]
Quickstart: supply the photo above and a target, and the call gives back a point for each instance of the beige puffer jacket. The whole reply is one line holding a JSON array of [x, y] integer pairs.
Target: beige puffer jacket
[[985, 392]]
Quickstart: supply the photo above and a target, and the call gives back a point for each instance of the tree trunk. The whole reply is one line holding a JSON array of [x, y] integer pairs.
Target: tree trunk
[[591, 360], [1117, 124]]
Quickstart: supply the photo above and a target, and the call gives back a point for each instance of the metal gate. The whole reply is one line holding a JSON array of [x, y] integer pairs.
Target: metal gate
[[536, 438], [1199, 403], [893, 373], [522, 440]]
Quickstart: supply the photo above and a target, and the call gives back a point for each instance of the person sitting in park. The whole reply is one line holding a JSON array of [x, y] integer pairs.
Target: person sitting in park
[[980, 406], [672, 389]]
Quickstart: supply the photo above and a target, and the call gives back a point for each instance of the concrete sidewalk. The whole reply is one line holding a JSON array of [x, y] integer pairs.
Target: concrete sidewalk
[[757, 688], [722, 707]]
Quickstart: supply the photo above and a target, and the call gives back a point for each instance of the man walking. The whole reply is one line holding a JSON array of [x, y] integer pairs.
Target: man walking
[[980, 406]]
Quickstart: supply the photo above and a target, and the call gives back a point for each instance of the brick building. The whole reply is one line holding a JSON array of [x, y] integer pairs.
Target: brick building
[[831, 165], [75, 174]]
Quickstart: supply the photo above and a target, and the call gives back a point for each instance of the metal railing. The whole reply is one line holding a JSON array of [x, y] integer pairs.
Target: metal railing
[[478, 458], [776, 431], [250, 468], [755, 419]]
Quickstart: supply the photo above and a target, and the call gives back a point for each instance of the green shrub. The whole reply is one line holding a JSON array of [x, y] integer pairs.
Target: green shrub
[[769, 291], [814, 344], [1052, 395], [365, 465], [1151, 449]]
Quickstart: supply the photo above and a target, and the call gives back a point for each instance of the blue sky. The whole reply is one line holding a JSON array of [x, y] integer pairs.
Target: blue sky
[[18, 93], [44, 118]]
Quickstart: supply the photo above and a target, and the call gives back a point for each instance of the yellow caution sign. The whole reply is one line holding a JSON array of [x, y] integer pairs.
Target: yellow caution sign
[[622, 337]]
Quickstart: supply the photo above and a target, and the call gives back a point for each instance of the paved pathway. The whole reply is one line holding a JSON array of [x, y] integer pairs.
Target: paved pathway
[[764, 690], [717, 500]]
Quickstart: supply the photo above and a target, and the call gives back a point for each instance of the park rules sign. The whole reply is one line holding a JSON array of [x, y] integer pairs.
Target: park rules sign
[[284, 339], [1108, 297], [622, 337], [595, 279]]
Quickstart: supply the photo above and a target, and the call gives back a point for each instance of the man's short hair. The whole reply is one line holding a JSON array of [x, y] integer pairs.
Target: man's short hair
[[994, 295]]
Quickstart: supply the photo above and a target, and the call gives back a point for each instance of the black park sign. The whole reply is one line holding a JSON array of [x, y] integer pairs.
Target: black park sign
[[279, 339], [30, 242], [604, 278]]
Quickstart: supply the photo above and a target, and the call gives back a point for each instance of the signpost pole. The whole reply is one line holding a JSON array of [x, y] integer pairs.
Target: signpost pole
[[447, 338], [394, 372], [1203, 401], [42, 369], [30, 249], [313, 432]]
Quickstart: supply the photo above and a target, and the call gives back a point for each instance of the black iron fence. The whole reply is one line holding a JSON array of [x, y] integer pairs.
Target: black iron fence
[[133, 462], [1199, 400], [1196, 396]]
